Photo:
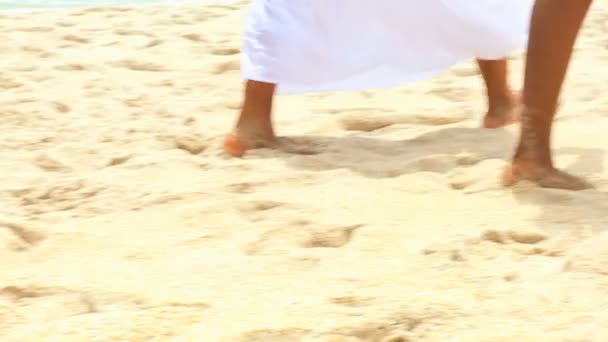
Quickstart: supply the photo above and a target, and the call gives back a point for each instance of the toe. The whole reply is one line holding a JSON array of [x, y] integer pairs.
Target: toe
[[234, 146]]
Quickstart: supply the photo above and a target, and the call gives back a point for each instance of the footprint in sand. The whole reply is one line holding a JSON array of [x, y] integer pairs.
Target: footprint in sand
[[27, 236], [433, 163], [17, 293], [224, 50], [528, 241], [438, 163], [589, 256], [227, 66], [368, 122], [437, 120], [78, 13], [260, 205], [51, 164], [57, 196], [72, 67], [522, 235], [116, 161], [454, 250], [38, 52], [351, 301], [60, 107], [382, 153], [182, 20], [257, 210], [23, 67], [494, 242], [152, 43], [66, 23], [336, 338], [194, 37], [9, 242], [8, 83], [192, 145], [393, 328], [243, 187], [38, 29], [75, 39], [365, 123], [452, 93], [131, 32], [139, 65], [473, 174], [301, 234], [273, 335]]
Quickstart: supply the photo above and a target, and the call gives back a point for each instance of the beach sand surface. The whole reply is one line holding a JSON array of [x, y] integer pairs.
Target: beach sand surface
[[122, 220]]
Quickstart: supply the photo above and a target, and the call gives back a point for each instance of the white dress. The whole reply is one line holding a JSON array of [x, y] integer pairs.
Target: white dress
[[339, 45]]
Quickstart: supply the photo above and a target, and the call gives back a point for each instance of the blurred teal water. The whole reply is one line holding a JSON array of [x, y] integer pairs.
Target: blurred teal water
[[27, 5]]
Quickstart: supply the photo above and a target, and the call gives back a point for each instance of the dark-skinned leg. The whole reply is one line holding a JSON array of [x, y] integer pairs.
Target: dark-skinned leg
[[502, 102], [254, 126], [554, 28]]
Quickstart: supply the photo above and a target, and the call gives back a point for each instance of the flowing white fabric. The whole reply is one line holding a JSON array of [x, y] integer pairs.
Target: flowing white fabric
[[339, 45]]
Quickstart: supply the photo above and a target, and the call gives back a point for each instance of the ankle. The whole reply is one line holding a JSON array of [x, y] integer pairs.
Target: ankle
[[530, 156], [504, 99]]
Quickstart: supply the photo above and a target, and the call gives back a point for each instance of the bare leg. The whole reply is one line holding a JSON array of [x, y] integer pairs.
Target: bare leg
[[502, 102], [254, 125], [554, 28]]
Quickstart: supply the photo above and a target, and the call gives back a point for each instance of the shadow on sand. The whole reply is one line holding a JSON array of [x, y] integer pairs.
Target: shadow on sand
[[439, 151], [442, 151], [572, 208]]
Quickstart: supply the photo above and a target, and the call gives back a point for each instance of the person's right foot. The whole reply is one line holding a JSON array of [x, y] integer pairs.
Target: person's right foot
[[546, 177], [248, 136], [239, 141]]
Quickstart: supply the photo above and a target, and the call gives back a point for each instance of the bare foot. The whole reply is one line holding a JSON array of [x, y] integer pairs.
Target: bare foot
[[505, 114], [239, 141], [542, 176]]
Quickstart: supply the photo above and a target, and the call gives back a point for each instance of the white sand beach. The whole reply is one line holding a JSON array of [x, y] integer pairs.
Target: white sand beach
[[121, 219]]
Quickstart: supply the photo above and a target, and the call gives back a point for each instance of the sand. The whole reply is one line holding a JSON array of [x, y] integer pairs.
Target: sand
[[122, 220]]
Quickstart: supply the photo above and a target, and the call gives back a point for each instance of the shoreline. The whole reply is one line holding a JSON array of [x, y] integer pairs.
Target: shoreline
[[183, 3]]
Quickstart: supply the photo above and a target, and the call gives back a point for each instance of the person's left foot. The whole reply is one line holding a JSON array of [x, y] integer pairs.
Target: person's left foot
[[504, 114]]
